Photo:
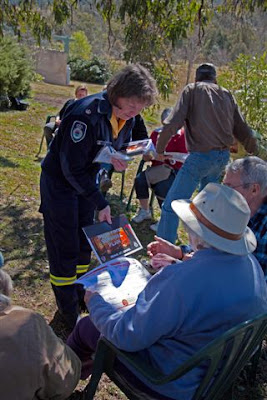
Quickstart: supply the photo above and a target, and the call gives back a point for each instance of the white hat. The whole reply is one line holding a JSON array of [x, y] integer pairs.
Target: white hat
[[219, 215]]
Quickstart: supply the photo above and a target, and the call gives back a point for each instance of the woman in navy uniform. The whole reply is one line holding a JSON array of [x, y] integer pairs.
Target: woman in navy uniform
[[69, 194]]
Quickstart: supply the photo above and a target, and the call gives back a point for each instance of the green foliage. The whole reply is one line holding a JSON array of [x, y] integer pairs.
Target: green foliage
[[164, 79], [80, 47], [24, 15], [16, 71], [93, 71], [153, 28], [227, 36], [247, 78]]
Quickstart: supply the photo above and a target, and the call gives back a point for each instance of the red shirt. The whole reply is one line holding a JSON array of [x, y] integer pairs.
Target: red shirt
[[176, 143]]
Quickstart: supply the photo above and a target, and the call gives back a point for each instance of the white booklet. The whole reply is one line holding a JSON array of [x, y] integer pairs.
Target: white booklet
[[132, 149], [119, 281], [140, 147], [107, 153], [174, 155]]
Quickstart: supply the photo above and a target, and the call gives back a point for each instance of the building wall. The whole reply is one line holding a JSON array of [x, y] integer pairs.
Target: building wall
[[52, 65]]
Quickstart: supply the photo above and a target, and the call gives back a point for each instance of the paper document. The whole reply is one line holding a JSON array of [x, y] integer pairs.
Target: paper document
[[176, 156], [111, 241], [107, 153], [119, 282], [130, 150], [140, 147]]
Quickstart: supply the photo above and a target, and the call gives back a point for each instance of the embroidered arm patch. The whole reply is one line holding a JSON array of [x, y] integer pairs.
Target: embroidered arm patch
[[78, 131]]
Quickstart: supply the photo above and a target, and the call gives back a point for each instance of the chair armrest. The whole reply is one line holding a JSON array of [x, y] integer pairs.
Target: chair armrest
[[142, 366], [49, 117]]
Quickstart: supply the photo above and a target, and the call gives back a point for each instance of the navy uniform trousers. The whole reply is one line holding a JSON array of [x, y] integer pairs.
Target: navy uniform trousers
[[65, 213]]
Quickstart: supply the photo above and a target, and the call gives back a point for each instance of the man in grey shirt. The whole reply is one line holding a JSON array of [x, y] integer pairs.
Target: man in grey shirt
[[212, 123]]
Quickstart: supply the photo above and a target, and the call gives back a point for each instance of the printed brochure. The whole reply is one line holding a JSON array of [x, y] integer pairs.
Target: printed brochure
[[107, 153], [132, 149], [140, 147], [119, 281], [181, 157], [112, 241]]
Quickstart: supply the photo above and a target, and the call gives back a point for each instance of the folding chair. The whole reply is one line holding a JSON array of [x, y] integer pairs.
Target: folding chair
[[225, 357], [110, 173], [122, 184], [48, 119], [152, 196]]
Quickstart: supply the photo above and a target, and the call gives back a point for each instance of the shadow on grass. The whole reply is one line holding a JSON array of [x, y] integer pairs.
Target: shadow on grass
[[23, 244], [5, 163]]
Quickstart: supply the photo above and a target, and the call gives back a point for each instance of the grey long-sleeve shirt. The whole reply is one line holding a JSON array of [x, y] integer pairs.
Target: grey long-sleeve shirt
[[211, 118]]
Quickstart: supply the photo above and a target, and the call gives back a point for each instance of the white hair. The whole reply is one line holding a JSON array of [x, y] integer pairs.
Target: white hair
[[252, 170], [6, 288], [196, 242]]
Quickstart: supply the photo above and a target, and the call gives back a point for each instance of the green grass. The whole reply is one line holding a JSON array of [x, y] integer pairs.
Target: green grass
[[21, 229]]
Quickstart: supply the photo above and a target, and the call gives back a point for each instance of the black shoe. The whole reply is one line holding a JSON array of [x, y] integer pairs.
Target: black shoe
[[82, 307], [105, 184], [104, 181], [77, 395], [63, 324]]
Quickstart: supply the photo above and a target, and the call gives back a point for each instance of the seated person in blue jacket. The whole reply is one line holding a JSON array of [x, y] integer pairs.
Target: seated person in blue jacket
[[185, 305], [139, 132], [160, 175], [50, 128], [69, 193], [249, 177]]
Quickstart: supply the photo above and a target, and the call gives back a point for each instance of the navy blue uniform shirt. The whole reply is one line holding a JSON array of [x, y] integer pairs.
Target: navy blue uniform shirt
[[84, 129]]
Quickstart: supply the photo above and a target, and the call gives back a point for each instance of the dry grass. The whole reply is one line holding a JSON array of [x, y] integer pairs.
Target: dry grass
[[21, 234]]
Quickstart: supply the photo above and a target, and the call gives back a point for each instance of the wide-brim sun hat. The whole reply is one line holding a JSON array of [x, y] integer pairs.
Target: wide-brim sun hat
[[219, 215]]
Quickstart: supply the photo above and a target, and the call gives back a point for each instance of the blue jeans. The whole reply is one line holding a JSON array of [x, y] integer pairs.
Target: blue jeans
[[198, 170]]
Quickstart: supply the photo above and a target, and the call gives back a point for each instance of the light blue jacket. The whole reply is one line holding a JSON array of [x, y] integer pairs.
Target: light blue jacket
[[183, 307]]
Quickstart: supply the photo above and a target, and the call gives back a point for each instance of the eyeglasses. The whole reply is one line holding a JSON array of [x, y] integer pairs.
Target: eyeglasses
[[127, 108], [243, 185]]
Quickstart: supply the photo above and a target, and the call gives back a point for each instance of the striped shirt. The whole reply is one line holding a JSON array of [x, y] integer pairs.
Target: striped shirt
[[258, 224]]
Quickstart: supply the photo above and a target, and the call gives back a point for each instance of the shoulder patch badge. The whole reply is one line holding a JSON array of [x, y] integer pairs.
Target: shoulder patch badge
[[78, 131]]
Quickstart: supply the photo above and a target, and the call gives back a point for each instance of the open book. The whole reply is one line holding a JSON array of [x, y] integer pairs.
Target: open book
[[119, 282], [118, 279], [140, 147], [112, 241], [132, 149], [107, 153]]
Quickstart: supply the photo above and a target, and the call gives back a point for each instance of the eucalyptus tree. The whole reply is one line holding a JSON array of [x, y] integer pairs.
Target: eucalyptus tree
[[152, 28]]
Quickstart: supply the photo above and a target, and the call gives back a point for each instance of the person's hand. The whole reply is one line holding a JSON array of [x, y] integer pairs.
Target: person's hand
[[58, 121], [160, 157], [119, 165], [163, 246], [188, 256], [88, 295], [147, 157], [104, 215], [161, 260]]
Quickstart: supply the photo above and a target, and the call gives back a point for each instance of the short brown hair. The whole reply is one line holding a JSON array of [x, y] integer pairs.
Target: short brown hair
[[132, 81], [80, 87], [205, 72]]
